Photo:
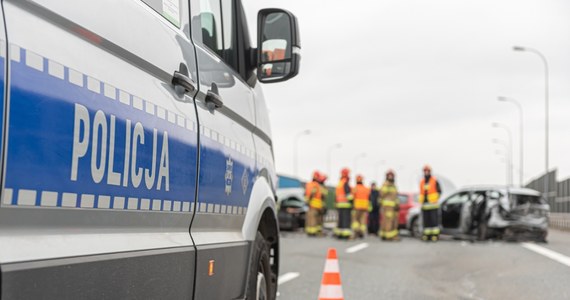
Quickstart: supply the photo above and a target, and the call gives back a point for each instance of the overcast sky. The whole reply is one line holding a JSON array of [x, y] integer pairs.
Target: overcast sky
[[415, 81]]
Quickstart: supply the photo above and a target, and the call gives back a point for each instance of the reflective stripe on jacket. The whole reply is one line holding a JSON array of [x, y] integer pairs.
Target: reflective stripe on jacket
[[429, 188], [389, 195]]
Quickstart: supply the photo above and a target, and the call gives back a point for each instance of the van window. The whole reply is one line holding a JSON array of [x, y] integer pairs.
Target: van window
[[211, 25], [230, 33], [169, 9], [214, 26]]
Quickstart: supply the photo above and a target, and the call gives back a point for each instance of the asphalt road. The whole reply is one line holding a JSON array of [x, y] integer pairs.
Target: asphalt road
[[412, 269]]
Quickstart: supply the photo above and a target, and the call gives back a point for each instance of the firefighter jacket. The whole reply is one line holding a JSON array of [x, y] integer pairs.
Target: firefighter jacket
[[343, 194], [361, 197], [430, 191], [389, 195], [313, 195]]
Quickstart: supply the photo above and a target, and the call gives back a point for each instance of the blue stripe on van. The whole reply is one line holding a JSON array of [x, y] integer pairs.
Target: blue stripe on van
[[43, 114]]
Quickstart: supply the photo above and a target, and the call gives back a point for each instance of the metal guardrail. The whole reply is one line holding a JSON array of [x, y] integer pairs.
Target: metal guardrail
[[560, 221]]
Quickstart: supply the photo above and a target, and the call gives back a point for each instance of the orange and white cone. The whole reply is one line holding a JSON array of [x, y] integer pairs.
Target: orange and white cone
[[331, 288]]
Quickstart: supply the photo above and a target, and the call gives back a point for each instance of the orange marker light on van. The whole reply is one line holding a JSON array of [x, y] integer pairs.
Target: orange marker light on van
[[211, 267]]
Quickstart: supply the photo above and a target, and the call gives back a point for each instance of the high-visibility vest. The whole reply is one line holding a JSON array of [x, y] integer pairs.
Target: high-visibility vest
[[361, 197], [313, 195], [342, 197], [430, 188]]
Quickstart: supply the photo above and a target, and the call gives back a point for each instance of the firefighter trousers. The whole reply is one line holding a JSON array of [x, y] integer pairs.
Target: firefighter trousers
[[430, 217], [342, 229], [359, 222], [312, 223], [389, 223]]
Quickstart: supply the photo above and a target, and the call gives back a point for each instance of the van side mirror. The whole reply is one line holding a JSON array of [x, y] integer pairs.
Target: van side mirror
[[278, 45]]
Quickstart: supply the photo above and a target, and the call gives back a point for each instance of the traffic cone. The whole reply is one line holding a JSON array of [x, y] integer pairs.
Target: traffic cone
[[331, 289]]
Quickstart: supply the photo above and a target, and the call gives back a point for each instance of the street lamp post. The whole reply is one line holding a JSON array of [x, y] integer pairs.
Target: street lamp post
[[329, 153], [295, 149], [361, 155], [546, 112], [509, 159], [521, 136]]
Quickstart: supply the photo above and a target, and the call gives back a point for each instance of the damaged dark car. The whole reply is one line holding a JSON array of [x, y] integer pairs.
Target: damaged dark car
[[512, 214]]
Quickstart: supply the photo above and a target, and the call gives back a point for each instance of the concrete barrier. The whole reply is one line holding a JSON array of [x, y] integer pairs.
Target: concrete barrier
[[560, 221]]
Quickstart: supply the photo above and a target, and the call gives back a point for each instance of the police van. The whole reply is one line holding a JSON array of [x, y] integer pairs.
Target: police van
[[137, 160]]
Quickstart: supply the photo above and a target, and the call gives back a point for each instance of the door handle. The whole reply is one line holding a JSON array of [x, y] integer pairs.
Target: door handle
[[179, 79], [213, 98]]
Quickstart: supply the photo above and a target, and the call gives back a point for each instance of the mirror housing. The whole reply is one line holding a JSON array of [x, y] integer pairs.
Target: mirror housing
[[278, 45]]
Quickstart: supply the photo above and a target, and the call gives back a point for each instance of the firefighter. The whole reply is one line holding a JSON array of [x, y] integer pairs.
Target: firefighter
[[343, 203], [361, 205], [430, 191], [390, 208], [324, 194], [313, 196], [374, 215]]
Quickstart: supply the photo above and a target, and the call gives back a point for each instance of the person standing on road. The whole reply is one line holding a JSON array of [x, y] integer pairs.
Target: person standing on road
[[390, 207], [343, 205], [430, 191], [374, 215], [361, 204], [313, 196], [324, 194]]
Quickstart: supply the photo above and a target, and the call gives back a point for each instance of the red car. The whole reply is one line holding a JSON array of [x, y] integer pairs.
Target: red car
[[407, 201]]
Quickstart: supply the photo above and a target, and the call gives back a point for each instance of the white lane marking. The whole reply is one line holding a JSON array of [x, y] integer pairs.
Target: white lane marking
[[563, 259], [357, 248], [287, 277]]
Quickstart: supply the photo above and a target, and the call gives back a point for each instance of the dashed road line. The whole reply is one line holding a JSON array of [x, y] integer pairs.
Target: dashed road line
[[563, 259], [287, 277], [357, 248]]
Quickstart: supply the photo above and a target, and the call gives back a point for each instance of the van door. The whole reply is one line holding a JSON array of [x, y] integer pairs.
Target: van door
[[3, 71], [227, 154], [101, 159]]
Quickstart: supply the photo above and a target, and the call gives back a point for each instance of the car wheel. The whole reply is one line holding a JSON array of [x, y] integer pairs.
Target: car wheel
[[542, 238], [415, 230], [262, 281]]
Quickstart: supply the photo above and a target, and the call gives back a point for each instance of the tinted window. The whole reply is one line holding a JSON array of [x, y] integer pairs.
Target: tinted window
[[478, 196], [457, 198], [169, 9], [229, 25], [403, 199], [214, 26], [211, 25]]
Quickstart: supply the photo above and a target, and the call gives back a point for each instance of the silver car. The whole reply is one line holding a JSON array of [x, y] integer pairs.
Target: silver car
[[490, 212]]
